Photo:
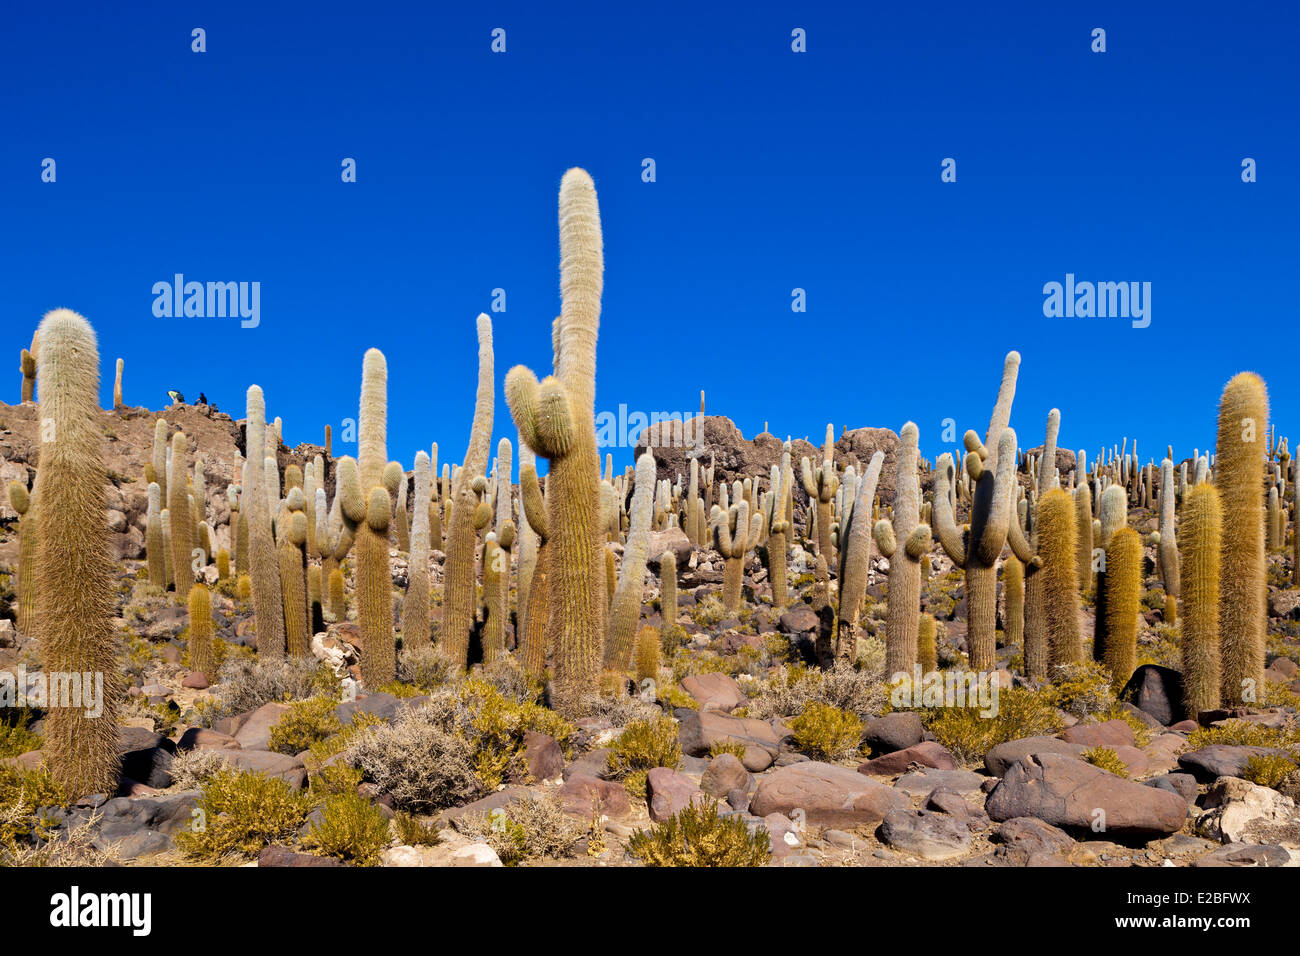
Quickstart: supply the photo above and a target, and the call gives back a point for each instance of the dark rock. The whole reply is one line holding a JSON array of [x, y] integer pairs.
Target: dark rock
[[924, 833], [1157, 691], [896, 731]]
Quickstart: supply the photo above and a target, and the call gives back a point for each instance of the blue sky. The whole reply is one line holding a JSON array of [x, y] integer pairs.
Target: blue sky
[[775, 170]]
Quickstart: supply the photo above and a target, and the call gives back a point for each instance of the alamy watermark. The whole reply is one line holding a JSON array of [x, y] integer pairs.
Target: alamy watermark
[[45, 689], [954, 688], [208, 300], [625, 429], [1102, 300]]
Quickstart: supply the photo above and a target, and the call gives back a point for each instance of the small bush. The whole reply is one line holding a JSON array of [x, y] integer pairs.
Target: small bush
[[826, 732], [1268, 770], [733, 747], [644, 745], [698, 836], [1082, 689], [525, 829], [22, 793], [424, 666], [709, 611], [350, 828], [1107, 760], [1242, 733], [411, 832], [192, 769], [420, 761], [969, 736], [242, 813], [15, 738], [305, 723], [497, 724], [792, 688], [246, 684]]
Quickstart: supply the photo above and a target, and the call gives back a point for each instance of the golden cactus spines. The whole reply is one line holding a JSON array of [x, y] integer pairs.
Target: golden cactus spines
[[75, 602], [293, 575], [28, 533], [182, 520], [415, 609], [1200, 553], [1239, 456], [1013, 591], [647, 654], [263, 561], [927, 653], [903, 540], [202, 653], [1123, 604], [1057, 540]]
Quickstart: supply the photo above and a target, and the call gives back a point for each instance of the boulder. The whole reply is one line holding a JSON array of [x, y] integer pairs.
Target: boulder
[[1238, 811], [669, 792], [924, 833], [254, 732], [724, 774], [828, 795], [698, 731], [1157, 691], [1000, 758], [928, 753], [1222, 760], [715, 691], [581, 794], [896, 731], [1112, 734]]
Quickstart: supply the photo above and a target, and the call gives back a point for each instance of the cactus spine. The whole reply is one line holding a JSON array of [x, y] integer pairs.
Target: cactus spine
[[155, 548], [293, 574], [459, 600], [28, 533], [75, 604], [1200, 551], [202, 656], [625, 613], [668, 589], [1243, 422], [1056, 547], [1013, 590], [264, 571], [373, 578], [1123, 600], [532, 643], [903, 542], [415, 609], [556, 418], [178, 506], [1169, 570]]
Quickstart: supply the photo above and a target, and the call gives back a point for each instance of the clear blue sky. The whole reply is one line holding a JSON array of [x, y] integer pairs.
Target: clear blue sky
[[775, 170]]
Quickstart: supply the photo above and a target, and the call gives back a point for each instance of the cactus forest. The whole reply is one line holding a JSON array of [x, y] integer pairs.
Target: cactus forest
[[735, 652]]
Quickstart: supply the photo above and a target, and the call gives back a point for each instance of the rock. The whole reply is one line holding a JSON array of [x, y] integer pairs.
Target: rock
[[140, 826], [254, 732], [1221, 760], [928, 753], [1263, 854], [1284, 604], [724, 774], [1238, 811], [829, 795], [924, 833], [670, 539], [581, 793], [383, 706], [1134, 760], [1112, 734], [1162, 752], [1183, 784], [892, 732], [288, 769], [484, 805], [1068, 793], [201, 738], [999, 759], [1157, 691], [141, 738], [467, 854], [799, 620], [927, 779], [284, 856], [699, 731], [715, 691], [195, 680], [669, 792], [943, 800], [594, 763], [1033, 836], [150, 766], [543, 756]]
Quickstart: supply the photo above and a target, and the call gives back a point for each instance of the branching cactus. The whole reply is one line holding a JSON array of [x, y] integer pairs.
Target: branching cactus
[[415, 609], [264, 572], [855, 560], [821, 487], [1238, 457], [28, 532], [1200, 552], [556, 418], [903, 542], [625, 614], [373, 576], [735, 533], [459, 599], [976, 549], [75, 603]]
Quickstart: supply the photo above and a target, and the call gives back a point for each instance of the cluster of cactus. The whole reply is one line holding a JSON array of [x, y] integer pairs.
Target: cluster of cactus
[[821, 486], [21, 501]]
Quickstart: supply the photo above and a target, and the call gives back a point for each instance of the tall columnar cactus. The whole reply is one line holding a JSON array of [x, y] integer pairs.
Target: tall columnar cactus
[[694, 507], [263, 563], [202, 654], [927, 652], [556, 418], [415, 609], [1083, 522], [625, 614], [1013, 589], [28, 533], [1238, 456], [1057, 539], [373, 577], [1295, 525], [155, 549], [178, 505], [402, 516], [735, 533], [117, 386], [494, 642], [1273, 522], [855, 559], [903, 542], [821, 486], [75, 604], [1169, 571], [668, 590], [161, 442], [459, 597], [27, 365], [527, 547], [1114, 518], [532, 643], [1123, 604], [293, 574], [1200, 544]]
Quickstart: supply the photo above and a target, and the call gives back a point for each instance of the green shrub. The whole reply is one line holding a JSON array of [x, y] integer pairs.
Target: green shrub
[[350, 828], [644, 745], [15, 738], [22, 793], [242, 813], [698, 836], [1082, 689], [969, 736], [1242, 733], [1268, 770], [411, 832], [525, 829], [306, 722], [497, 724], [1107, 760], [733, 747], [826, 732], [709, 611]]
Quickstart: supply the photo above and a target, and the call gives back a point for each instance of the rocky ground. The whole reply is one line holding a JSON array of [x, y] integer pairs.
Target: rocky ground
[[1068, 776]]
